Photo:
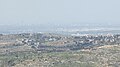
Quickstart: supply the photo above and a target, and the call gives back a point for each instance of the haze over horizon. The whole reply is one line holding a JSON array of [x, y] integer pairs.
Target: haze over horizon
[[23, 12]]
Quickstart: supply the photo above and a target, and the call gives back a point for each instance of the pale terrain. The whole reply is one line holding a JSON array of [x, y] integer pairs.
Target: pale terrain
[[54, 50]]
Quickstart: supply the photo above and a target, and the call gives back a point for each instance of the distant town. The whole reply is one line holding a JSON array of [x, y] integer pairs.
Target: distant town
[[40, 50], [50, 42]]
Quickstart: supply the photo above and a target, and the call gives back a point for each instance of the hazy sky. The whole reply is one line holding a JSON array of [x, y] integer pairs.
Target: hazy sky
[[59, 11]]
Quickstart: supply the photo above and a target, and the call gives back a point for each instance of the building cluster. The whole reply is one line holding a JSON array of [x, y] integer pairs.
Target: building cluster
[[55, 42], [98, 39]]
